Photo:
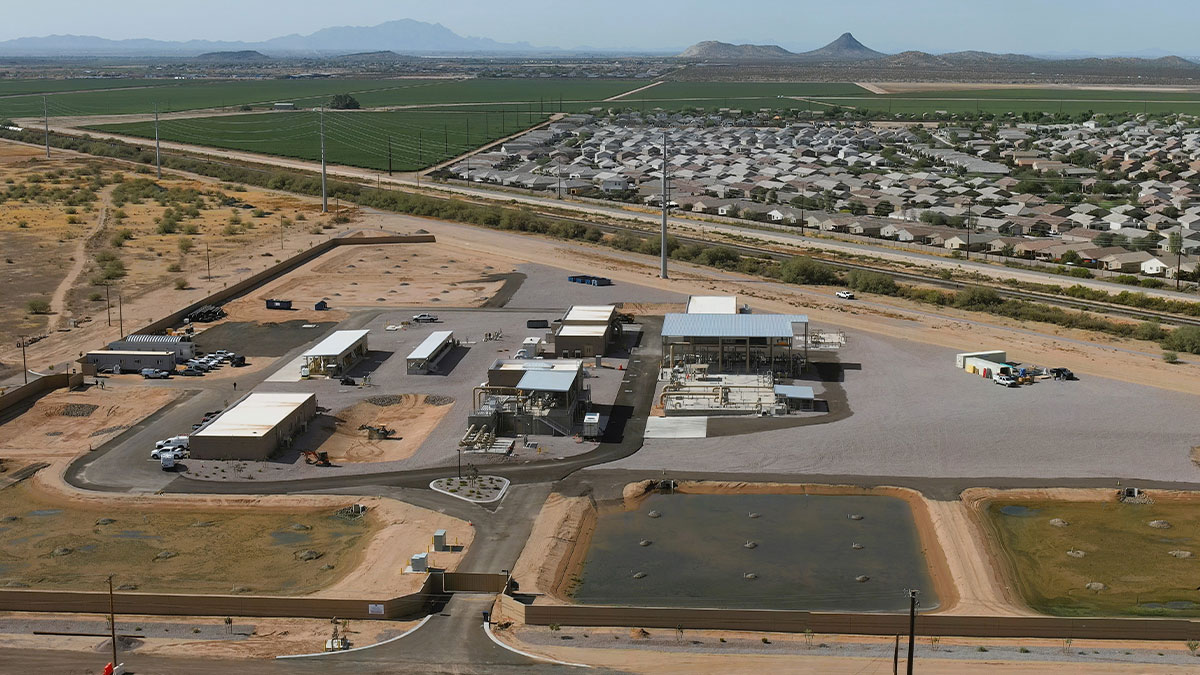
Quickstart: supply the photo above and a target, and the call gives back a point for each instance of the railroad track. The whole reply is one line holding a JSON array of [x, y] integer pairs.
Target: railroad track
[[1031, 296]]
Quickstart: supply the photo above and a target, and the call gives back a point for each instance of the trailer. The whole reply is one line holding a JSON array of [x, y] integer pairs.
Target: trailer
[[279, 304], [589, 280]]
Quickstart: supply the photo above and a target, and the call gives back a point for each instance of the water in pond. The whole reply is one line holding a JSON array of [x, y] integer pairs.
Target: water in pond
[[1018, 511], [45, 512], [803, 555], [1173, 604], [289, 538]]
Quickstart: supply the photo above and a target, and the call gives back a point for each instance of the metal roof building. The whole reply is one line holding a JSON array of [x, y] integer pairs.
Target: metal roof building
[[737, 343], [255, 427], [587, 330], [337, 353], [181, 345], [548, 380]]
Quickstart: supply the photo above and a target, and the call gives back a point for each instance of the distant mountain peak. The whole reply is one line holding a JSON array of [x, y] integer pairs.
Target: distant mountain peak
[[712, 49], [845, 48]]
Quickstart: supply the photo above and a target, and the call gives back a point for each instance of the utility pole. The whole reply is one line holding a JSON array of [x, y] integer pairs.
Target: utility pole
[[24, 366], [420, 151], [108, 299], [912, 626], [121, 313], [389, 155], [469, 134], [666, 197], [281, 232], [324, 192], [46, 120], [970, 204], [157, 147], [446, 139], [558, 174], [112, 622], [207, 260], [803, 205]]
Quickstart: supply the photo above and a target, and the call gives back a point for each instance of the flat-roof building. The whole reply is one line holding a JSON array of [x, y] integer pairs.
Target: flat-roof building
[[712, 304], [255, 427], [737, 343], [129, 360], [586, 331], [431, 350], [337, 353]]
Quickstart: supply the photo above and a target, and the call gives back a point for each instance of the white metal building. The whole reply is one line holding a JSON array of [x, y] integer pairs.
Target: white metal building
[[130, 361], [712, 304], [425, 357], [254, 427], [182, 345], [337, 353]]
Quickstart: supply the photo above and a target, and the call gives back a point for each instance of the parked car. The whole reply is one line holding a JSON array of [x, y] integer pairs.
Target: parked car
[[1005, 380], [845, 295], [1061, 373], [237, 360], [155, 374], [424, 318], [191, 372], [178, 452], [173, 442]]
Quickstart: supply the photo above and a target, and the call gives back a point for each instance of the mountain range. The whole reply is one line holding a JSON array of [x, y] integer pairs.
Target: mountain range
[[405, 36], [847, 49]]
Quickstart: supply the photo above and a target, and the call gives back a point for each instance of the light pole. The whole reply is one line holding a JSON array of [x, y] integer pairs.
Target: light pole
[[112, 621]]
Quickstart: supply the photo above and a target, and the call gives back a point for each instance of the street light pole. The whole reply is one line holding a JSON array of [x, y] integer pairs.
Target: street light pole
[[912, 627], [112, 621]]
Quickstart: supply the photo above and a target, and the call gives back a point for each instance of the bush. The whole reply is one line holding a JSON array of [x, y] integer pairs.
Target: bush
[[341, 219], [174, 267], [185, 245], [1183, 339], [181, 284], [37, 306], [871, 282], [805, 270], [121, 236], [977, 298], [343, 102], [95, 297], [1170, 357], [1149, 330]]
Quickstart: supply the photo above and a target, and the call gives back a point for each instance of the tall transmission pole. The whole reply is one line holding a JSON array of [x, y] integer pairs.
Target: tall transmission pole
[[157, 147], [324, 192], [389, 155], [970, 205], [912, 627], [46, 120], [666, 198]]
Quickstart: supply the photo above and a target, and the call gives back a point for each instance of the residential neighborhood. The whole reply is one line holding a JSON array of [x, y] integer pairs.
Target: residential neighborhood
[[1102, 194]]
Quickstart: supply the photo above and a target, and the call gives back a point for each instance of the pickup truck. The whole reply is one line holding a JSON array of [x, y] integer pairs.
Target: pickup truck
[[155, 374], [1005, 380], [424, 318]]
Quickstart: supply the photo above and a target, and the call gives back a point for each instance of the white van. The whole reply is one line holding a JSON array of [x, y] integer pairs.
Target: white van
[[173, 442]]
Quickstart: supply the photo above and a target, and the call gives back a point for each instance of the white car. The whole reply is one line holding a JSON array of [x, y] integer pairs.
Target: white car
[[173, 442], [1005, 380], [424, 318], [845, 295], [179, 452]]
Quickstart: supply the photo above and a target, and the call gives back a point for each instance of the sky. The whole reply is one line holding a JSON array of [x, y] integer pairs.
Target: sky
[[1022, 26]]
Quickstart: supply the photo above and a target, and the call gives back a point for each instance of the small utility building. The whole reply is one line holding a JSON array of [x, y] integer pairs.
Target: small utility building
[[182, 345], [986, 364], [586, 331], [712, 304], [337, 353], [254, 427], [737, 343], [431, 350], [130, 361]]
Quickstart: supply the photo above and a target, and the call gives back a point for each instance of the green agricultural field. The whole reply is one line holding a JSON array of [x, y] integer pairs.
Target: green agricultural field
[[51, 86], [740, 95], [1119, 547], [418, 138], [1055, 93], [195, 95]]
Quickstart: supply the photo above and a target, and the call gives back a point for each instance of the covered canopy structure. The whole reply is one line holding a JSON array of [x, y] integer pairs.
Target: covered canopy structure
[[426, 355], [337, 353], [737, 343]]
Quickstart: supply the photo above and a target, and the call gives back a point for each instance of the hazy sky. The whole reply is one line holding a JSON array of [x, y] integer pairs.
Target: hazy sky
[[1028, 26]]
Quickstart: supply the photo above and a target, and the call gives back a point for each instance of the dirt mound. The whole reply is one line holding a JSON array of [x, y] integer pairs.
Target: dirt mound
[[342, 436], [76, 410]]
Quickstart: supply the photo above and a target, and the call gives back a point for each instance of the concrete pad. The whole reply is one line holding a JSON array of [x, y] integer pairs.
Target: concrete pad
[[676, 427], [290, 372]]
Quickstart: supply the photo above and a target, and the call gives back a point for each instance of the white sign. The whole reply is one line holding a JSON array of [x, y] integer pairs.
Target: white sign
[[373, 608]]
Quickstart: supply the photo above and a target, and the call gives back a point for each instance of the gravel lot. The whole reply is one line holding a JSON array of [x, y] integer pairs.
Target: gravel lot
[[914, 414], [548, 287]]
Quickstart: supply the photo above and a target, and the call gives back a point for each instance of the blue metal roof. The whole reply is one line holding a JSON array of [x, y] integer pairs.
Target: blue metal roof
[[795, 391], [731, 325], [548, 380]]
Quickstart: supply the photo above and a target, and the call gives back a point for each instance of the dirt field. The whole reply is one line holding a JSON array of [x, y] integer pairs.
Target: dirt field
[[910, 87], [412, 418], [220, 544], [382, 276], [69, 423], [1092, 555]]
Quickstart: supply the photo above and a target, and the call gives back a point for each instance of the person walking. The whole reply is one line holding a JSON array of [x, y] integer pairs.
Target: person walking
[[235, 386]]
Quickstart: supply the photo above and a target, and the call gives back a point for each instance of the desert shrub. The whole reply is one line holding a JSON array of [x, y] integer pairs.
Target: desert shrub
[[37, 306], [181, 284], [805, 270], [871, 282], [1183, 339], [121, 236]]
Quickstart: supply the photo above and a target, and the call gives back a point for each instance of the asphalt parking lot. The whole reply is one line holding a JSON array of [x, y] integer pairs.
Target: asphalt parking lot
[[912, 413]]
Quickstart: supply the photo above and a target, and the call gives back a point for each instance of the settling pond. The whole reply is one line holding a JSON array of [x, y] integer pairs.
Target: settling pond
[[796, 552]]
